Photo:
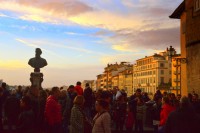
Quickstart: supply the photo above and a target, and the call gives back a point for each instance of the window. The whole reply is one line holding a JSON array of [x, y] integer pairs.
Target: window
[[197, 5], [162, 79], [162, 72], [170, 72], [162, 65], [154, 72]]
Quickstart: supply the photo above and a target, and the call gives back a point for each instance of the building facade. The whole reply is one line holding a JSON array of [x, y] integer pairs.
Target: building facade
[[189, 13], [117, 76], [152, 73]]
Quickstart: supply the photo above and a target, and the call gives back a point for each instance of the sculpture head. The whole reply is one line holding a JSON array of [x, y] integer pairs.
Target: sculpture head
[[38, 52]]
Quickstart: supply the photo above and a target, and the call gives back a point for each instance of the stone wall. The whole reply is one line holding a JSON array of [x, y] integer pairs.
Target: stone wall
[[193, 47]]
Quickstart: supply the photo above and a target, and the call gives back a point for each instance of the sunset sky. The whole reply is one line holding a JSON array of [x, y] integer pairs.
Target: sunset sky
[[79, 37]]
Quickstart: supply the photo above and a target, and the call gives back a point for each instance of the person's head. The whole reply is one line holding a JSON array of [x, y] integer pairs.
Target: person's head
[[185, 103], [158, 100], [3, 85], [61, 88], [190, 96], [79, 100], [173, 96], [38, 52], [71, 88], [179, 97], [78, 83], [25, 102], [19, 89], [158, 92], [34, 90], [166, 100], [106, 95], [195, 97], [138, 92], [101, 105], [63, 94], [165, 94], [87, 85], [55, 91]]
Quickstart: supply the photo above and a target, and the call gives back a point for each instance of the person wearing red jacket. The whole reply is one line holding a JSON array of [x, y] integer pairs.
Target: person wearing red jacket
[[166, 110], [53, 114], [79, 89]]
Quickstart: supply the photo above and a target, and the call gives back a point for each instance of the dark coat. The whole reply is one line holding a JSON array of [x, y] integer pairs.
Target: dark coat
[[88, 97], [12, 109], [183, 121], [26, 122]]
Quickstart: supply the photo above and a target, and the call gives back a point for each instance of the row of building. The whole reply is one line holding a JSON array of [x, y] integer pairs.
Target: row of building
[[150, 73]]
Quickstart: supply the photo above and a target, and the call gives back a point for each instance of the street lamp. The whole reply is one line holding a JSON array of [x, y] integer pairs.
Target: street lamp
[[172, 53]]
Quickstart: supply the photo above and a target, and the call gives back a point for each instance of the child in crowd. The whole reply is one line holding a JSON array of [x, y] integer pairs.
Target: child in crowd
[[129, 120], [140, 111]]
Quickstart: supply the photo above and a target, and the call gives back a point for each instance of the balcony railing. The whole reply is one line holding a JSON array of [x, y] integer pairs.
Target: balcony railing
[[176, 64], [177, 80], [177, 72]]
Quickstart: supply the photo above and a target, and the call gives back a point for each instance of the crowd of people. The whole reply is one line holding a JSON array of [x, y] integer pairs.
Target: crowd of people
[[78, 110]]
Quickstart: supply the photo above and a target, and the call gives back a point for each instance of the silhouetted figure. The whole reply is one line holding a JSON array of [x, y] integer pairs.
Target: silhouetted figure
[[37, 62], [88, 101], [26, 117], [184, 119]]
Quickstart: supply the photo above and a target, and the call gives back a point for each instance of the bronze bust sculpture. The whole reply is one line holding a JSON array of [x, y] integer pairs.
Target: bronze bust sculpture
[[37, 62]]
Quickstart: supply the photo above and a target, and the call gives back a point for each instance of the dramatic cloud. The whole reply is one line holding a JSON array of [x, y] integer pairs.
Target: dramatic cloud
[[48, 11]]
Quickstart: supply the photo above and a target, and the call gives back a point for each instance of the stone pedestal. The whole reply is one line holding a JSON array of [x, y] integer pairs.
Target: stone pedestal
[[36, 79]]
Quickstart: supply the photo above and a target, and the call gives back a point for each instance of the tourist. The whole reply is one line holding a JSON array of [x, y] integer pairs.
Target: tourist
[[71, 94], [130, 120], [166, 110], [19, 93], [42, 104], [184, 119], [88, 101], [26, 117], [1, 109], [140, 112], [77, 115], [196, 103], [12, 110], [6, 92], [158, 94], [156, 109], [78, 88], [120, 113], [102, 120], [133, 100], [178, 97], [53, 112], [62, 99], [145, 97]]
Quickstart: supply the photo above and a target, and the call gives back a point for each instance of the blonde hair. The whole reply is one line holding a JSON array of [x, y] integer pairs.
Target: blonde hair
[[79, 100]]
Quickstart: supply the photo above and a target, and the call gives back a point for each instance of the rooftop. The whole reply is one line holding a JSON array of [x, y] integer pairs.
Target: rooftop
[[179, 10]]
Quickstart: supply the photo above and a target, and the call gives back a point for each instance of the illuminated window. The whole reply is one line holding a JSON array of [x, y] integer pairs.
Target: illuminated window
[[197, 5]]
